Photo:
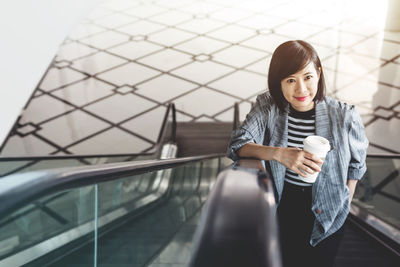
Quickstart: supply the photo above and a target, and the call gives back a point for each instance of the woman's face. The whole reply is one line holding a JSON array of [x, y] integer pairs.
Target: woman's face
[[300, 88]]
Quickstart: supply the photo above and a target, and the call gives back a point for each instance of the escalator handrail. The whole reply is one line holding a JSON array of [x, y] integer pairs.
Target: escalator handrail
[[19, 189], [238, 224], [236, 116], [151, 151], [383, 155]]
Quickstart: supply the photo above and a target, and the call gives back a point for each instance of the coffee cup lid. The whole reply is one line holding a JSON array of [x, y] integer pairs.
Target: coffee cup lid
[[317, 141]]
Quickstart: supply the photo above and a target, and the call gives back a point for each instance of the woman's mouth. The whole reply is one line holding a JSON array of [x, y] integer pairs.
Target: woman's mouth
[[301, 98]]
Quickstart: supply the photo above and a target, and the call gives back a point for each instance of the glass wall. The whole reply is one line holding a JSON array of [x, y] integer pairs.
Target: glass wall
[[379, 190], [138, 220]]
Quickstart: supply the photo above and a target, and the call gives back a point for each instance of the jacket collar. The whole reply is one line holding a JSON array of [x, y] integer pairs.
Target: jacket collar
[[323, 127], [279, 139], [322, 122]]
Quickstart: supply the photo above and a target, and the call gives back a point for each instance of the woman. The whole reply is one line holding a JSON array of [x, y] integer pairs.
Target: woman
[[310, 216]]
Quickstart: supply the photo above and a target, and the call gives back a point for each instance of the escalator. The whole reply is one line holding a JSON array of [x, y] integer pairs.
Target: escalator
[[359, 249], [104, 209], [372, 230], [143, 210], [112, 214]]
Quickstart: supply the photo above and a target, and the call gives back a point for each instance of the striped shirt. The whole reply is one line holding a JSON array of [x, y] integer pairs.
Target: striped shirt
[[300, 125]]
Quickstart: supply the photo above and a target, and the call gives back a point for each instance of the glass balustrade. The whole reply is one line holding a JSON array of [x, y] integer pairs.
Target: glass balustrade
[[135, 219], [379, 190]]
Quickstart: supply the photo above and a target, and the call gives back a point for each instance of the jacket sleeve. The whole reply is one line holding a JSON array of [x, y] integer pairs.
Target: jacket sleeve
[[251, 130], [358, 146]]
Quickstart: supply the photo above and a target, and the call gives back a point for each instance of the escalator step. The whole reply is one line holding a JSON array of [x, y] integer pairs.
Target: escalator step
[[200, 138], [357, 249]]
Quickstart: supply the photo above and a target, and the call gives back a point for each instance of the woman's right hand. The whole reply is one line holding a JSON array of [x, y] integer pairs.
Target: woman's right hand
[[297, 160]]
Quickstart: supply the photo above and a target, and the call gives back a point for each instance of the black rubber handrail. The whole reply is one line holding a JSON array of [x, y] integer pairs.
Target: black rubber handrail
[[236, 116], [19, 189], [151, 151], [384, 155], [238, 224]]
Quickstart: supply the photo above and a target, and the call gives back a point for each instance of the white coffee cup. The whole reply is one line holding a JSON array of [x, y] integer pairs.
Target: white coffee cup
[[318, 146]]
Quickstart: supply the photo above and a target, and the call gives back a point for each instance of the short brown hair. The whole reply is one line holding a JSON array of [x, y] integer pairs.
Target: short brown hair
[[288, 58]]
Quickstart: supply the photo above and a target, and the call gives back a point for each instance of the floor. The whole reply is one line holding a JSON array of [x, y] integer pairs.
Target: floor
[[111, 80]]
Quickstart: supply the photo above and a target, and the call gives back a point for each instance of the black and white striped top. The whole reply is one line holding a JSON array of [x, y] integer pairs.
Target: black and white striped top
[[300, 125]]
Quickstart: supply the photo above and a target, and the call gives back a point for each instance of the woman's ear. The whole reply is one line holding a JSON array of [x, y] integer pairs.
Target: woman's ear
[[319, 72]]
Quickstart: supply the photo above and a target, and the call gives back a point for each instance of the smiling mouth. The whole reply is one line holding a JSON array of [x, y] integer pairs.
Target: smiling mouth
[[301, 98]]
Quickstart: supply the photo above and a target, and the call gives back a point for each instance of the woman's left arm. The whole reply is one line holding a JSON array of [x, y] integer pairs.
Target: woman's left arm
[[358, 144], [351, 184], [358, 149]]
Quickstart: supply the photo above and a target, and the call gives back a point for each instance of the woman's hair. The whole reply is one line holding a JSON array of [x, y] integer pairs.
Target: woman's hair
[[287, 59]]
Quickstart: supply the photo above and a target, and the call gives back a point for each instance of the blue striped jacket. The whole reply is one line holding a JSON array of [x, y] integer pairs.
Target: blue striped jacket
[[342, 126]]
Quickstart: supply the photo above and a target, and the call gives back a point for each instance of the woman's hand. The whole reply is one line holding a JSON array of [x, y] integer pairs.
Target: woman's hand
[[298, 160]]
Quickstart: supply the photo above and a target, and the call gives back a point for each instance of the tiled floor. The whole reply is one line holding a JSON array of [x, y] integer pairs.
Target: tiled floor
[[115, 73]]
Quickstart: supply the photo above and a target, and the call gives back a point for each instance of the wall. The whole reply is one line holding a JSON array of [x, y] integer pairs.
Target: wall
[[31, 32]]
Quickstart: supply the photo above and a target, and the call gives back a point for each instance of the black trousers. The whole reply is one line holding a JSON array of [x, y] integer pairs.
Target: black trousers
[[296, 221]]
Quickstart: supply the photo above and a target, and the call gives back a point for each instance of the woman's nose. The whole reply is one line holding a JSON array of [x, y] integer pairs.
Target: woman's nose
[[301, 87]]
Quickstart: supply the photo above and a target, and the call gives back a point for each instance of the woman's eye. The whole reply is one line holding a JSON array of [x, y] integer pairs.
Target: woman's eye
[[308, 77], [291, 81]]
